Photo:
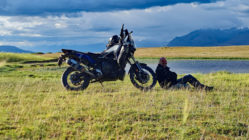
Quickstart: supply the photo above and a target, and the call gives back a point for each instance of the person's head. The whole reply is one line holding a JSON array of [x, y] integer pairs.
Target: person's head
[[163, 62]]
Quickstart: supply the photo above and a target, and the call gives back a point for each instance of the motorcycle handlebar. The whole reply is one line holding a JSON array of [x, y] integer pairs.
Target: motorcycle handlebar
[[126, 32]]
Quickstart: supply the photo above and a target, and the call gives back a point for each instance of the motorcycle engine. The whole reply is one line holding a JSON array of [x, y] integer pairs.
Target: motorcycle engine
[[111, 70], [109, 67]]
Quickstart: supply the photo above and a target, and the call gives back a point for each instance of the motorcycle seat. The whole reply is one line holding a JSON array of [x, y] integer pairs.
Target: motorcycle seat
[[93, 54], [85, 53]]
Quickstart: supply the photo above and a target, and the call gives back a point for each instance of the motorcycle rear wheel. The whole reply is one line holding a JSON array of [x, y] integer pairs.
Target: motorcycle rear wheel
[[74, 80], [143, 82]]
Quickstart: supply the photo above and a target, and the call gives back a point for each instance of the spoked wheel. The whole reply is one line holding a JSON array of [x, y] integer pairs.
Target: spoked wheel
[[74, 80], [144, 80]]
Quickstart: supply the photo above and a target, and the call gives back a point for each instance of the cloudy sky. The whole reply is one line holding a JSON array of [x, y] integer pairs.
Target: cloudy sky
[[86, 25]]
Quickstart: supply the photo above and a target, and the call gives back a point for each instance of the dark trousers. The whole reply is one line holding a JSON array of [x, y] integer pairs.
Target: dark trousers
[[189, 79]]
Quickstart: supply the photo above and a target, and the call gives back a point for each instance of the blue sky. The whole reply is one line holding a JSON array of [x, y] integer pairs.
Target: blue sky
[[86, 25]]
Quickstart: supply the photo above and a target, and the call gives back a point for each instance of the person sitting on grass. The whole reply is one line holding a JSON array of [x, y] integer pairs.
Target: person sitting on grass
[[167, 78]]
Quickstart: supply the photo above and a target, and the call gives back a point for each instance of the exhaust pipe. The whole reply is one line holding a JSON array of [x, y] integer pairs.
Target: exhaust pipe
[[73, 63]]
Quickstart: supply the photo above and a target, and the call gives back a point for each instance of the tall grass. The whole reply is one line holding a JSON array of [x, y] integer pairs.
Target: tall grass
[[225, 52], [2, 63], [34, 105], [18, 57]]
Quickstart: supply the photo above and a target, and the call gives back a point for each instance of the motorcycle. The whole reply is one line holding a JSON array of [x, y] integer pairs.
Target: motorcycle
[[85, 68]]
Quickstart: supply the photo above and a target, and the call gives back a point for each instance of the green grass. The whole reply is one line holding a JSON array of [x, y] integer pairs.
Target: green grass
[[18, 57], [34, 105]]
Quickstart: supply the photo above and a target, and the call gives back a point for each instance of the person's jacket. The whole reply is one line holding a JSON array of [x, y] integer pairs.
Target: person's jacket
[[165, 77]]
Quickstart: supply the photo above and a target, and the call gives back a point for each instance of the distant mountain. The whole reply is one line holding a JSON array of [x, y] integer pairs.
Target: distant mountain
[[12, 49], [213, 37]]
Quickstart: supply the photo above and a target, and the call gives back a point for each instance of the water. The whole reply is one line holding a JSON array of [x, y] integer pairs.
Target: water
[[203, 66]]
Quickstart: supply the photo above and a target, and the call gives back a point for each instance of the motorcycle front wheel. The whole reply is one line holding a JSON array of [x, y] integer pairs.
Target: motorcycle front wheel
[[74, 80], [144, 80]]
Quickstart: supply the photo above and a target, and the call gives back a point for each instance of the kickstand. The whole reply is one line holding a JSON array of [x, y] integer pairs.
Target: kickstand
[[101, 83]]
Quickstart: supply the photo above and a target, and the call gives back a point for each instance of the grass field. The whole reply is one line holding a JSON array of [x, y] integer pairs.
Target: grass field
[[34, 105], [15, 57], [227, 52]]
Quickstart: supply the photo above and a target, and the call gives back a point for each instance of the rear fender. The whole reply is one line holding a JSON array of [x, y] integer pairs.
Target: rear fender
[[61, 59], [82, 57]]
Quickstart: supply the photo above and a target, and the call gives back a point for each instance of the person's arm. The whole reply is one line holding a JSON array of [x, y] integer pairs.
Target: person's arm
[[160, 74], [172, 77], [169, 77]]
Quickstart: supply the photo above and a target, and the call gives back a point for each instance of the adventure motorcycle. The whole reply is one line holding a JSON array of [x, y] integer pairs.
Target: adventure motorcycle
[[109, 65]]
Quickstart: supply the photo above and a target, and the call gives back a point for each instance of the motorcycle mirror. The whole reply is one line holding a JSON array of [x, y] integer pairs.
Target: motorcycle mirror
[[131, 32], [126, 32], [122, 31]]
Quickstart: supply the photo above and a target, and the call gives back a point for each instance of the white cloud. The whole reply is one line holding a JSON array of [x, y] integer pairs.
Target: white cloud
[[5, 32], [19, 43], [47, 7], [30, 35], [60, 25], [152, 26]]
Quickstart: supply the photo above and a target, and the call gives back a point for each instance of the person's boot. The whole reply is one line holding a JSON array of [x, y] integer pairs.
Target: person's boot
[[208, 88], [203, 87], [198, 85]]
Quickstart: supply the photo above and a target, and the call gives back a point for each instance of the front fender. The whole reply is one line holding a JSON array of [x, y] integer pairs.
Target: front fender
[[134, 67]]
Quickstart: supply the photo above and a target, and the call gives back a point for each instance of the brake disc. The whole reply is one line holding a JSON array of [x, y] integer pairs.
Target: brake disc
[[143, 77]]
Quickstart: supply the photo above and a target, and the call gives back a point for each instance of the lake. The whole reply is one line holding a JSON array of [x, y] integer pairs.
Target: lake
[[203, 66]]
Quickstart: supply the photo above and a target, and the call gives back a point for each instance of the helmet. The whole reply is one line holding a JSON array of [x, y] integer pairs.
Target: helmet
[[112, 41]]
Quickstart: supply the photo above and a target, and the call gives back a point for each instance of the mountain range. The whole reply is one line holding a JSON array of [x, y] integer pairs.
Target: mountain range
[[213, 37], [13, 49], [202, 38]]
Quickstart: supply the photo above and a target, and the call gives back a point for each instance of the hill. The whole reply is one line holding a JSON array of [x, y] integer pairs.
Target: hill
[[213, 37], [12, 49]]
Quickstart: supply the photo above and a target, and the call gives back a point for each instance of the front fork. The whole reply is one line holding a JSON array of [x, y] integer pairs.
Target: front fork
[[141, 75], [132, 61]]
